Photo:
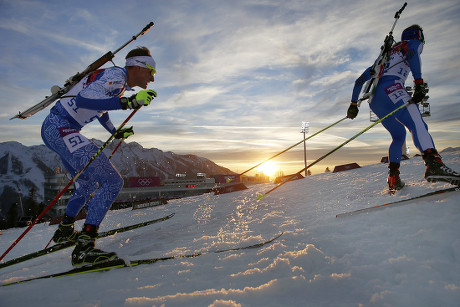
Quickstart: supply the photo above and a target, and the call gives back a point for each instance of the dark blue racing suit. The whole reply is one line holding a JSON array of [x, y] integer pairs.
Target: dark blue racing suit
[[391, 93], [88, 100]]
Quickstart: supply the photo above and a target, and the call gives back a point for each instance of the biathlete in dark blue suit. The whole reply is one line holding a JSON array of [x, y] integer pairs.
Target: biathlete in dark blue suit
[[100, 183], [390, 94]]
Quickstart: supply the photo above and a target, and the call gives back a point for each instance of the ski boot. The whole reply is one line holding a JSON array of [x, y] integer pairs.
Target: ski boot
[[65, 231], [436, 170], [85, 253], [394, 182]]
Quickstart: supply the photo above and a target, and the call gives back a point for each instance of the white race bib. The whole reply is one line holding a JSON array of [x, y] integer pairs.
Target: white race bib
[[73, 139], [397, 92]]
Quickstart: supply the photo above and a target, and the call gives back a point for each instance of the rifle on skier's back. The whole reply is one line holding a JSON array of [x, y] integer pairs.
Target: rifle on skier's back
[[57, 92], [379, 63]]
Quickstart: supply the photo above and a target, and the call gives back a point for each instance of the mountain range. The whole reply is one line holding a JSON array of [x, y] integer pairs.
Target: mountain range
[[23, 168]]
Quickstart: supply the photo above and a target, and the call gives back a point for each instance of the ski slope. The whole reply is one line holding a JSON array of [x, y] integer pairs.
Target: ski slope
[[407, 255]]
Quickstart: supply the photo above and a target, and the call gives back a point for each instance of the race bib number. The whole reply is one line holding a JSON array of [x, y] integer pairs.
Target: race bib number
[[73, 139], [397, 92]]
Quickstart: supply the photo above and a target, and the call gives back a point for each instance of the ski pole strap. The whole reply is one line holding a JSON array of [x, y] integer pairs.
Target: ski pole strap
[[337, 148], [309, 137]]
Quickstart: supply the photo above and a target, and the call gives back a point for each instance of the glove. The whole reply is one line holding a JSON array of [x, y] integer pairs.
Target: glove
[[420, 91], [138, 100], [352, 110], [124, 133]]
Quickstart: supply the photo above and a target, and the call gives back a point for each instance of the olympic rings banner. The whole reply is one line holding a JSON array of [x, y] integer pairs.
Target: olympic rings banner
[[142, 182]]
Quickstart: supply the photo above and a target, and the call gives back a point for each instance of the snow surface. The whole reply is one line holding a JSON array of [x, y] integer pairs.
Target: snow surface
[[406, 255]]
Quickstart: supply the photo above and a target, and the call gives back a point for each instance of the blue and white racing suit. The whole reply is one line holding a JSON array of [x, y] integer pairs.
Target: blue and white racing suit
[[391, 93], [88, 100]]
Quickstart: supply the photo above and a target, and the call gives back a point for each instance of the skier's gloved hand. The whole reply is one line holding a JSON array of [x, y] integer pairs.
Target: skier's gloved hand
[[142, 98], [145, 96], [124, 133], [352, 110], [420, 91]]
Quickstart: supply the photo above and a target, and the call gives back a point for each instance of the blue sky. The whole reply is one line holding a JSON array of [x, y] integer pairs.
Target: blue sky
[[235, 79]]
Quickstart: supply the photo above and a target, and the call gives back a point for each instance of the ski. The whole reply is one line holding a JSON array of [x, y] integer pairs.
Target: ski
[[154, 260], [131, 227], [398, 202], [61, 246], [116, 263], [120, 263]]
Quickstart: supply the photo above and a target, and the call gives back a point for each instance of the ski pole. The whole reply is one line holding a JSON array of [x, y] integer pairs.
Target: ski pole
[[335, 149], [113, 152], [309, 137], [111, 155], [68, 185]]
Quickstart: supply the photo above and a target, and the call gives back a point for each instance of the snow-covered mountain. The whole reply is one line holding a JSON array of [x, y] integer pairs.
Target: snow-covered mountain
[[25, 167]]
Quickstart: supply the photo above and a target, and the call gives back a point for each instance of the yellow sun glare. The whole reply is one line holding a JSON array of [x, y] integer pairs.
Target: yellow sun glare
[[269, 168]]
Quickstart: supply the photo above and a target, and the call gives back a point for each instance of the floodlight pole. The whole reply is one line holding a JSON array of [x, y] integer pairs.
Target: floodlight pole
[[304, 130]]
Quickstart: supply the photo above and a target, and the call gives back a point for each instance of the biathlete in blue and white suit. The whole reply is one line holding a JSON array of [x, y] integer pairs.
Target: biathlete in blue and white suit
[[88, 100], [390, 94]]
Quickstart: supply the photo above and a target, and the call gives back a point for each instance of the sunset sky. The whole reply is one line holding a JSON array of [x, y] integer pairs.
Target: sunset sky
[[235, 79]]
